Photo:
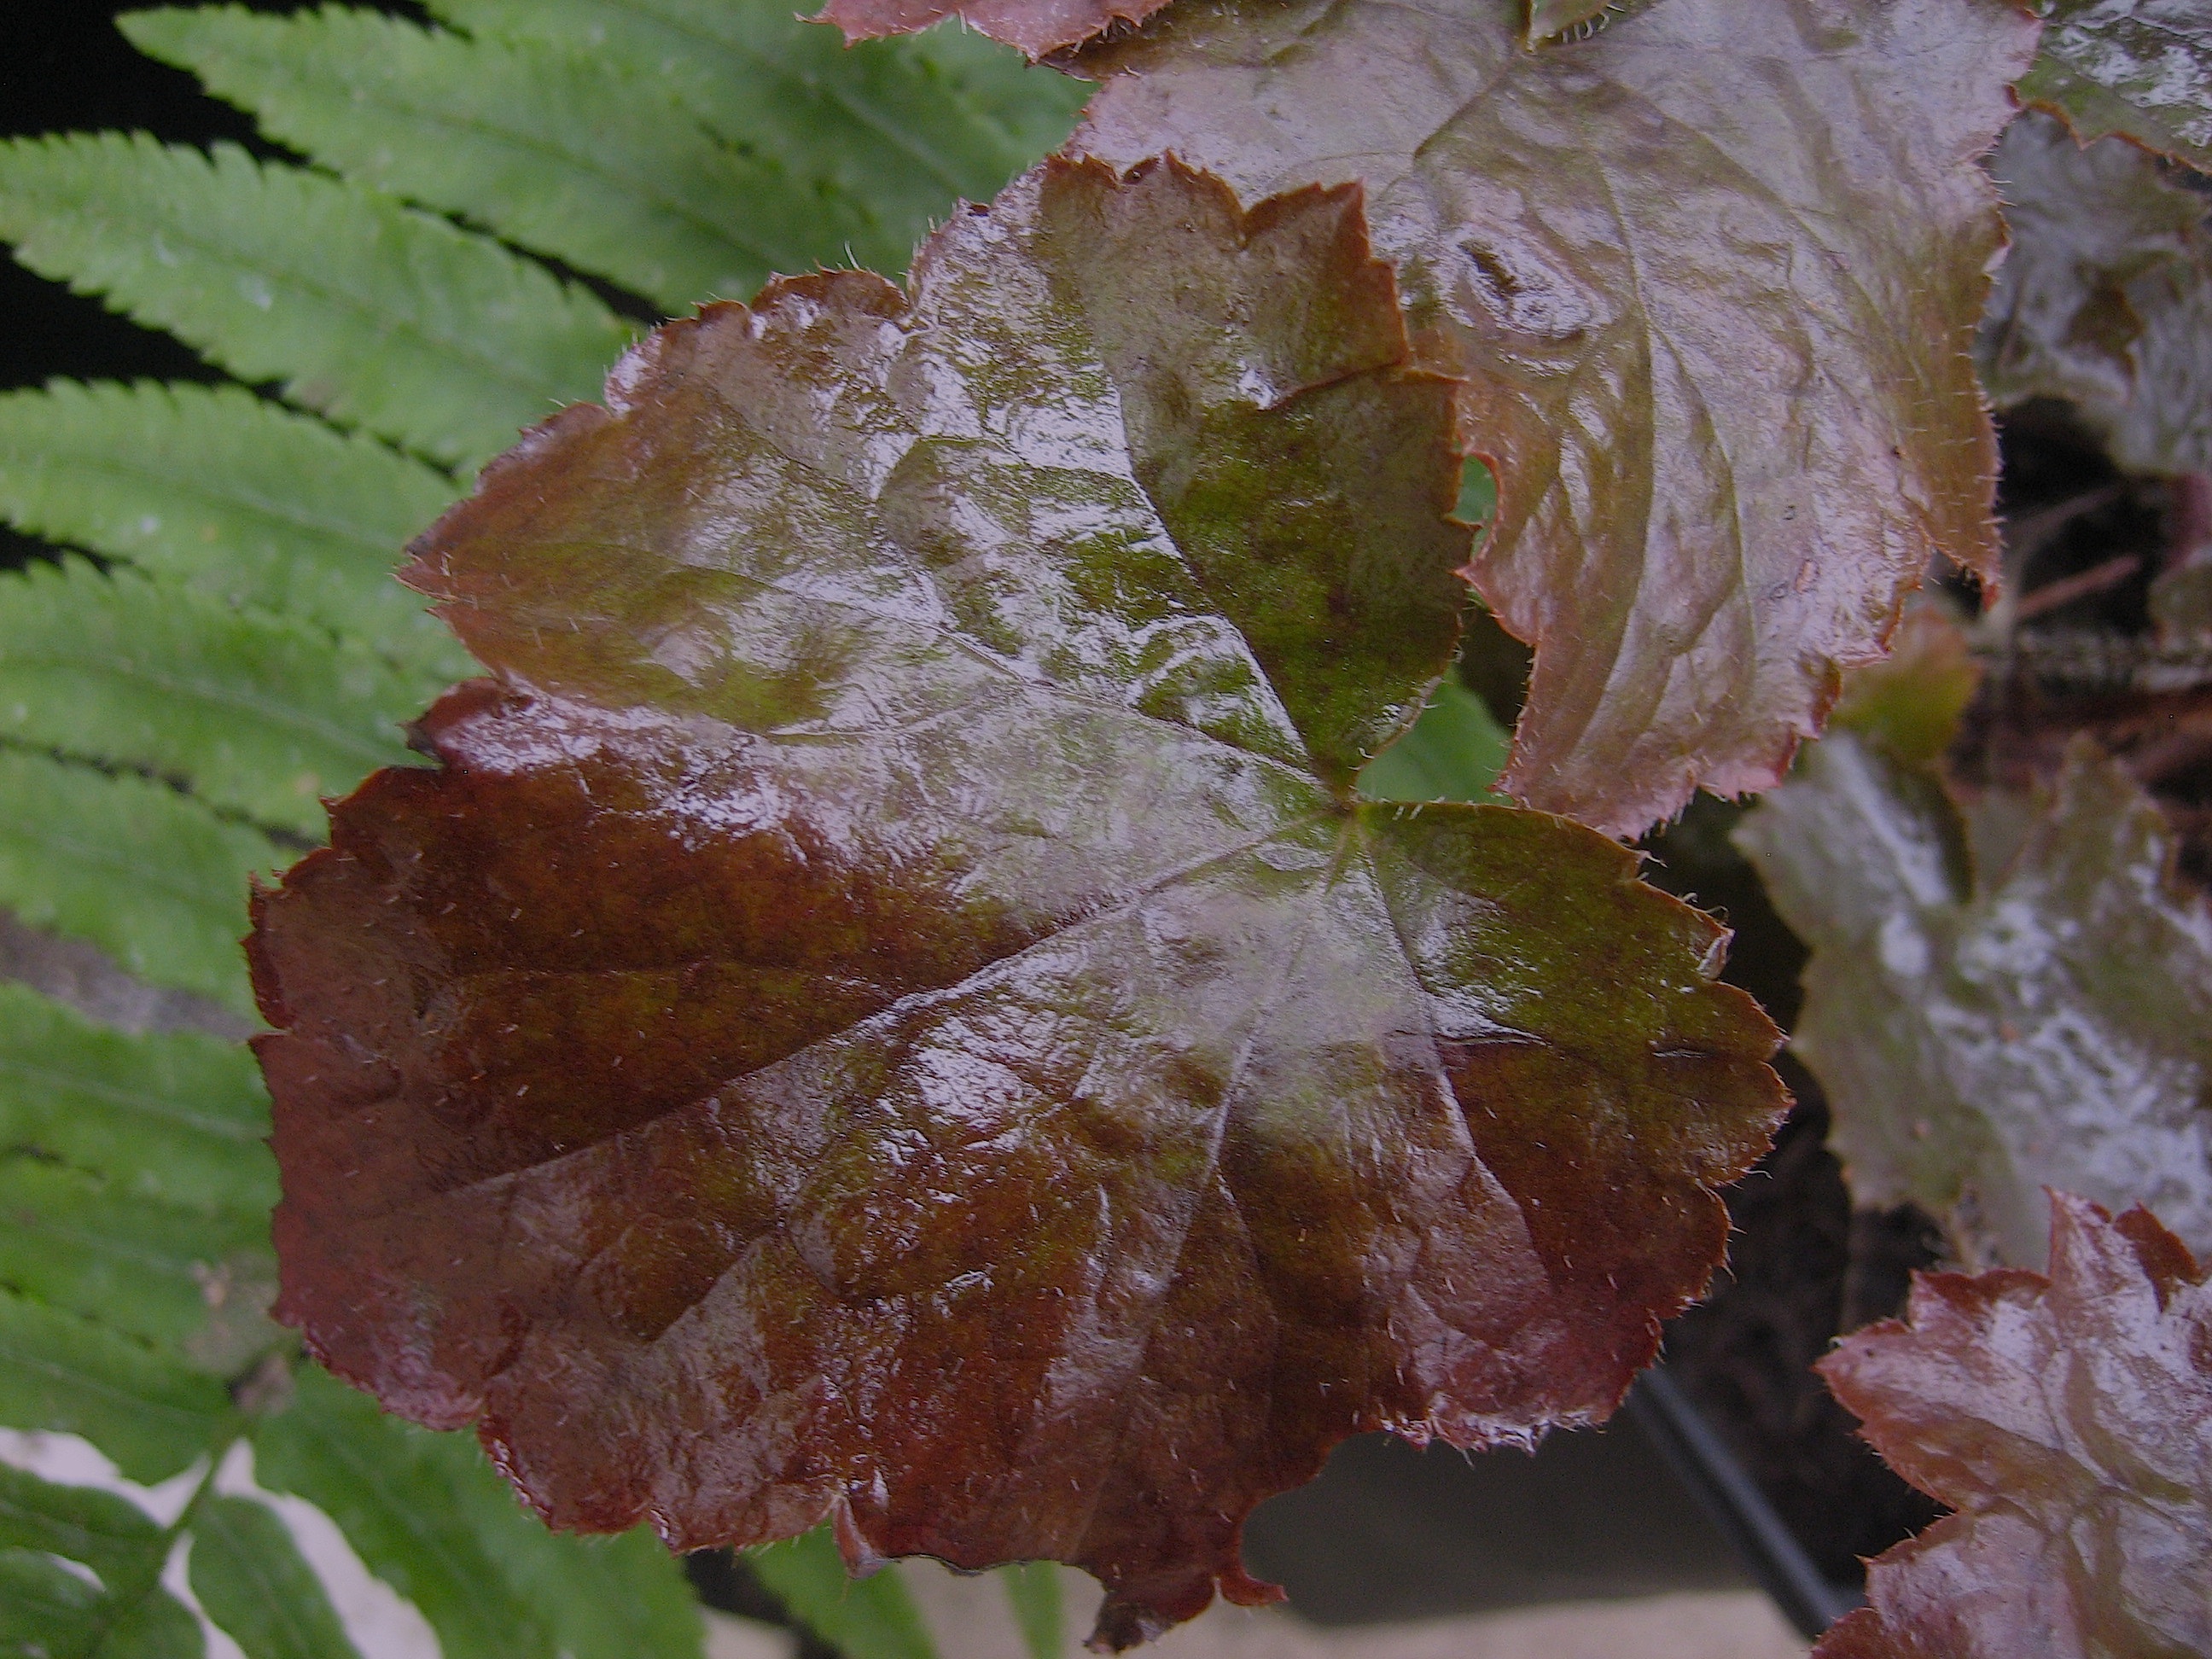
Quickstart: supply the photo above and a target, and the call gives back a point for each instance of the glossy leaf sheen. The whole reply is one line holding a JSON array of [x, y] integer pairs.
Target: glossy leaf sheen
[[2139, 67], [1036, 26], [2106, 296], [1710, 276], [890, 1006], [2067, 1419], [1983, 1035], [1568, 22]]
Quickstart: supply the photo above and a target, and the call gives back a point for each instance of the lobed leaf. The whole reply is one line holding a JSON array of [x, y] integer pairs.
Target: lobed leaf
[[62, 1373], [2068, 1420], [255, 712], [1708, 278], [554, 149], [2106, 296], [227, 494], [891, 1004], [254, 1584], [149, 875], [2139, 67], [1985, 1030], [897, 129], [430, 1518], [174, 1121], [376, 314]]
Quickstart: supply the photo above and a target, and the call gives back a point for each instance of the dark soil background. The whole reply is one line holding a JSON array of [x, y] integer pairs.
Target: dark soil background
[[1389, 1532]]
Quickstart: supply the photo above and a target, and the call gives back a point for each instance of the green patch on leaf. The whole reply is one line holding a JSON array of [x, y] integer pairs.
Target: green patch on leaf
[[253, 1583], [193, 1283], [1692, 273], [1453, 752], [431, 1518], [870, 1618], [232, 496], [59, 1371], [890, 1006], [254, 711], [1986, 1029], [175, 1120], [150, 875], [2139, 67]]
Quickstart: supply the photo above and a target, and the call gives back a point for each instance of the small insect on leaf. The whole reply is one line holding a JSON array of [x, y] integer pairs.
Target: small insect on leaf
[[892, 1006]]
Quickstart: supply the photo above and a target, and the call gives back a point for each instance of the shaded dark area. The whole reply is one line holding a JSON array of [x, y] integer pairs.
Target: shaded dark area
[[1389, 1532], [726, 1582], [2084, 656], [1803, 1269]]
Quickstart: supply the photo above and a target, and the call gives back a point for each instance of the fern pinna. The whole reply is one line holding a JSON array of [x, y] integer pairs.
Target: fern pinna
[[486, 209]]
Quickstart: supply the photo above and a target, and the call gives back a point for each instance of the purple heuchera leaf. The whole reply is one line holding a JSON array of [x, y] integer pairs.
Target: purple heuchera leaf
[[1708, 279], [891, 1004], [2068, 1420]]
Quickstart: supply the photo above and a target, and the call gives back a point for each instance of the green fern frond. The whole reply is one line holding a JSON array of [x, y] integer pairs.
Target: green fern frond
[[429, 1516], [874, 1616], [152, 876], [230, 496], [543, 146], [373, 313], [919, 120], [257, 713], [110, 1534], [174, 1119], [165, 722], [171, 1276], [44, 1607], [151, 1414], [904, 128], [251, 1579]]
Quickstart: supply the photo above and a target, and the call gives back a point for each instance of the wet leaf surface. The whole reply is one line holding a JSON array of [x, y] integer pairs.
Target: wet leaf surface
[[1035, 27], [1710, 276], [1567, 23], [889, 1003], [1998, 1000], [2068, 1420], [2138, 67], [2105, 298]]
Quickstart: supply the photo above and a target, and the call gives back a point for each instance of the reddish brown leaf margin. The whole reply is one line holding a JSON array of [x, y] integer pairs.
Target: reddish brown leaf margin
[[2067, 1417], [527, 1096], [1038, 27]]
